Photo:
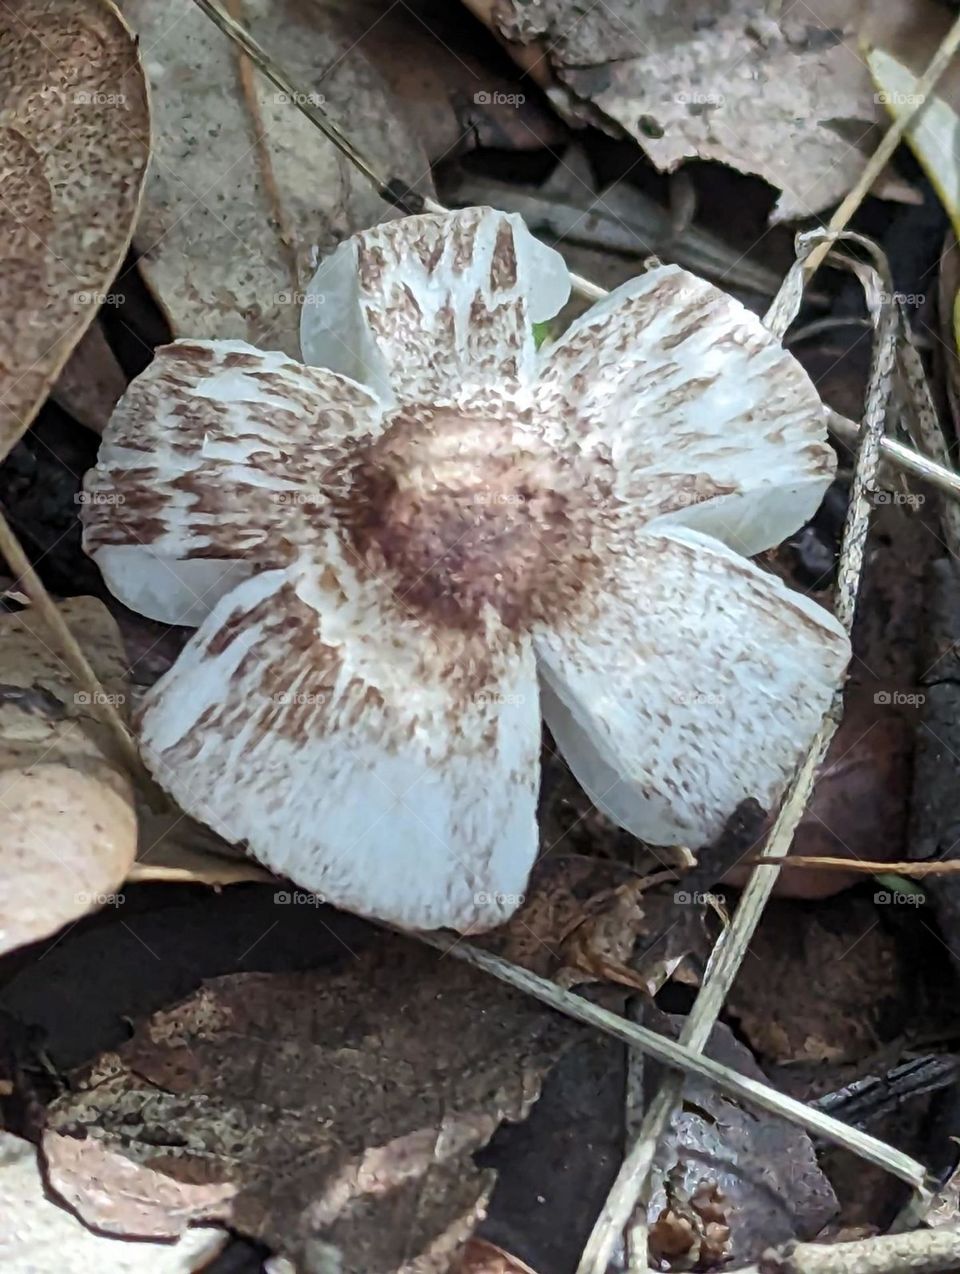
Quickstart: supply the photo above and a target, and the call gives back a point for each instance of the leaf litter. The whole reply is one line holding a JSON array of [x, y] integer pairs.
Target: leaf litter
[[584, 923]]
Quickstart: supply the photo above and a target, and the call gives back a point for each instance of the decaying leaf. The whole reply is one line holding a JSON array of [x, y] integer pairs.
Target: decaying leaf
[[729, 1182], [91, 382], [787, 97], [74, 141], [344, 1104], [583, 918], [114, 1195], [825, 986], [452, 94], [236, 209], [70, 829], [39, 1234], [481, 1257]]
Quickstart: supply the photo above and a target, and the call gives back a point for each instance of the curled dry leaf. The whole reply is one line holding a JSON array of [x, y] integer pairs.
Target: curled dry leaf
[[236, 210], [69, 826], [727, 1180], [38, 1234], [582, 919], [113, 1194], [344, 1105], [789, 99], [74, 142]]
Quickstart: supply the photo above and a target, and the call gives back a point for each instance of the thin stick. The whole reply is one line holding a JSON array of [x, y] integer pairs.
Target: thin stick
[[865, 865], [921, 466], [101, 704], [922, 1252], [677, 1057], [888, 144], [391, 189]]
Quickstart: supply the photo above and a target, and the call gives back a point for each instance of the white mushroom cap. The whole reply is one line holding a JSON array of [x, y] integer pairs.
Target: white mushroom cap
[[389, 568]]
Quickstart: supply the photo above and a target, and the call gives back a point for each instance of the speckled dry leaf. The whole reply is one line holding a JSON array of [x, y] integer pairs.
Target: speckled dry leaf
[[74, 140], [722, 1165], [70, 828], [243, 189], [831, 986], [583, 919], [114, 1195], [90, 385], [481, 1257], [38, 1235], [344, 1104], [790, 100]]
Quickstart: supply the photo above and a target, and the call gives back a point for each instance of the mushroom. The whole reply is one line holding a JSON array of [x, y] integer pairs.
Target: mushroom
[[398, 555]]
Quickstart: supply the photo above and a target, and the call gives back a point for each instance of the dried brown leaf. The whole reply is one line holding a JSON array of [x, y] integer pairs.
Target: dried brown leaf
[[583, 919], [39, 1234], [113, 1194], [69, 825], [345, 1105], [481, 1257], [727, 1183], [790, 100], [244, 190], [74, 142], [828, 986], [91, 382]]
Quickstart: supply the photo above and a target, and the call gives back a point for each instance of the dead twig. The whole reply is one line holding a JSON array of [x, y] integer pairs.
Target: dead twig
[[916, 870], [919, 1252], [676, 1056]]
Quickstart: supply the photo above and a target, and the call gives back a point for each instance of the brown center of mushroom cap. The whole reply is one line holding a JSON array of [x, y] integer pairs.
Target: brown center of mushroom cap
[[461, 513]]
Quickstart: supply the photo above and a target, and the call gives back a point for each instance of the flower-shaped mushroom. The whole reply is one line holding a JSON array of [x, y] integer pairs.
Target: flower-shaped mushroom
[[399, 555]]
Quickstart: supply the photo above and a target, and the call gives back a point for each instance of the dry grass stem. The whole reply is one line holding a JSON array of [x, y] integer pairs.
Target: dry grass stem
[[677, 1057]]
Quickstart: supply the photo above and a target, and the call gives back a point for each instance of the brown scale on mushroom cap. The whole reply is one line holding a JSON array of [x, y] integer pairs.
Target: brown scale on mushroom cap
[[462, 513]]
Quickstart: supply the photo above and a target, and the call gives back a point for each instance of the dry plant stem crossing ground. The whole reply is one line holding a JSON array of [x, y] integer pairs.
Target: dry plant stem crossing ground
[[673, 1054]]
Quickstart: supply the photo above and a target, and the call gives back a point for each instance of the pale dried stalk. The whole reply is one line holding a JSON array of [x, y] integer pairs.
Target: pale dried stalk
[[674, 1055]]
